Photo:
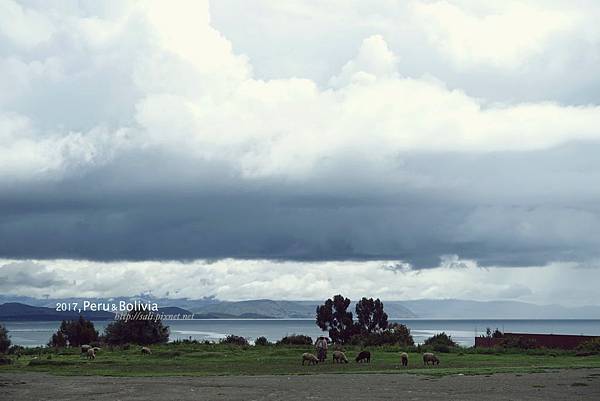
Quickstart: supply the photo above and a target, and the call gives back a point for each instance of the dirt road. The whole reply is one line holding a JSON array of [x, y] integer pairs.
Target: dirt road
[[580, 384]]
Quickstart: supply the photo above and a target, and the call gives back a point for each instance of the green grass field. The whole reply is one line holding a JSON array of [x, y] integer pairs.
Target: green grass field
[[202, 360]]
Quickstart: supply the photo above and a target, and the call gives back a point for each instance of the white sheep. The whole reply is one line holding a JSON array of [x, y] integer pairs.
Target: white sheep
[[339, 356], [146, 350], [429, 357], [312, 360], [91, 354], [404, 358]]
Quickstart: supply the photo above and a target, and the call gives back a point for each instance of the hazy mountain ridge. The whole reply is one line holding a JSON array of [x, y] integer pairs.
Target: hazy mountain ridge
[[463, 309], [210, 308], [18, 311]]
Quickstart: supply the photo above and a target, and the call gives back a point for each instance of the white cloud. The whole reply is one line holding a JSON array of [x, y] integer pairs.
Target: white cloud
[[231, 279], [191, 94], [506, 36], [24, 26], [374, 60]]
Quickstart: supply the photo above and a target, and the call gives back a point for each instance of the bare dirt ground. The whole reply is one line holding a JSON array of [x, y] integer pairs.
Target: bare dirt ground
[[577, 384]]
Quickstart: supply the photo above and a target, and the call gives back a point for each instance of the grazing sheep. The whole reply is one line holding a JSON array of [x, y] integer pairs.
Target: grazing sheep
[[364, 356], [429, 357], [404, 358], [84, 348], [146, 350], [312, 360], [339, 356], [91, 354]]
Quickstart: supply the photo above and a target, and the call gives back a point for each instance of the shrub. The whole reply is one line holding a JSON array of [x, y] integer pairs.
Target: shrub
[[4, 339], [16, 350], [590, 345], [395, 334], [234, 340], [262, 341], [441, 348], [440, 339], [5, 361], [295, 339], [518, 342]]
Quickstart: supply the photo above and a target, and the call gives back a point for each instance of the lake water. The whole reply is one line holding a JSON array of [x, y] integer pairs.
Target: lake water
[[31, 334]]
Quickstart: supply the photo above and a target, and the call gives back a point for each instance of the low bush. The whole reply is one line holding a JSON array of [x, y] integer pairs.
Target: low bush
[[443, 348], [5, 361], [234, 340], [16, 350], [590, 345], [295, 339], [440, 339], [395, 334], [261, 341]]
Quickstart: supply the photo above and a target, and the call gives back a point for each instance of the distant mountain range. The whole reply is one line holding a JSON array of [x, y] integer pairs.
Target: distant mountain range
[[461, 309], [19, 311], [284, 309], [24, 308]]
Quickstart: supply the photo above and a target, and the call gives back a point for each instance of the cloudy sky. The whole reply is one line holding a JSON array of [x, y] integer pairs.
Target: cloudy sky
[[252, 149]]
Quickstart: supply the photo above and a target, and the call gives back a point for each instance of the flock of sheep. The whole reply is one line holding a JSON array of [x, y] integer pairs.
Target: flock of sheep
[[90, 351], [338, 356], [365, 356]]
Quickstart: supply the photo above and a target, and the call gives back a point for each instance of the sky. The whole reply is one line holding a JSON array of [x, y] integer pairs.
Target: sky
[[293, 150]]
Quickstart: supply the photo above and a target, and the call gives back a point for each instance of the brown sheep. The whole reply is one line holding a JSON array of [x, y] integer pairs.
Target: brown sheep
[[312, 360], [363, 356], [146, 350], [429, 357], [339, 356], [404, 358]]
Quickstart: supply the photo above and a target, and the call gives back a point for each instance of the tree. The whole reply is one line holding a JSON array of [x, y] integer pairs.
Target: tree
[[370, 315], [138, 327], [74, 333], [401, 334], [334, 318], [4, 339], [58, 340]]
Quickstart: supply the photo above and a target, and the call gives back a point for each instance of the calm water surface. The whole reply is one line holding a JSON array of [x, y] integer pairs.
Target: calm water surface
[[463, 331]]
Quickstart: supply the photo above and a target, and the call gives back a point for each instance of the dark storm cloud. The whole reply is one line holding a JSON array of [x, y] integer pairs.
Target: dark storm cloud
[[507, 208]]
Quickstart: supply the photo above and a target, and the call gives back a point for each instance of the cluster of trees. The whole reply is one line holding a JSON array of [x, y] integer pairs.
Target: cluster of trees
[[74, 333], [137, 327], [371, 327]]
